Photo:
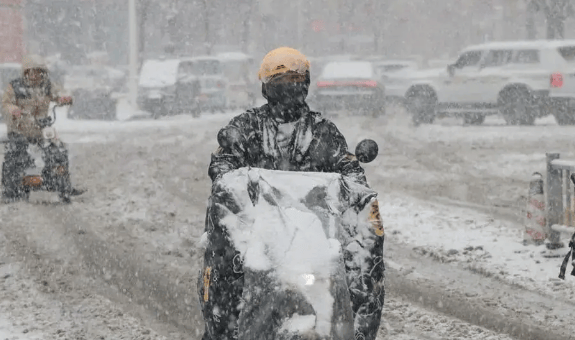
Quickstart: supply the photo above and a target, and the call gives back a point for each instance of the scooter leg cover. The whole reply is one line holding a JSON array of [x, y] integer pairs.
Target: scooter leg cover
[[282, 256]]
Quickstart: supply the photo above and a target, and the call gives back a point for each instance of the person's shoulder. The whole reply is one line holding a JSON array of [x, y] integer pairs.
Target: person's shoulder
[[251, 115], [320, 120], [16, 82]]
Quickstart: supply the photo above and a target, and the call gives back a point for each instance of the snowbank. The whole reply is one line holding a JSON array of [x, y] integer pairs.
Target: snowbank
[[474, 240]]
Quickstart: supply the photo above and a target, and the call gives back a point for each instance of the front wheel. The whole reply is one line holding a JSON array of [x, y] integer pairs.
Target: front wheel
[[516, 107], [421, 105], [564, 114]]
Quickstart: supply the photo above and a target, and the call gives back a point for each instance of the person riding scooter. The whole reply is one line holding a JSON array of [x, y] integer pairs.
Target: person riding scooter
[[286, 135], [25, 100]]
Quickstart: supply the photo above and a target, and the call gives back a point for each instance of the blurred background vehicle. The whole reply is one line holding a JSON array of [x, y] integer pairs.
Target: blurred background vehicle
[[395, 75], [168, 87], [209, 72], [239, 70], [95, 89], [520, 80], [353, 86], [317, 64]]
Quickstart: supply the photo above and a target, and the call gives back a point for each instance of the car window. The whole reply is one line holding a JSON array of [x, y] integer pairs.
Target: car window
[[567, 52], [497, 58], [185, 69], [526, 57], [469, 58], [207, 67]]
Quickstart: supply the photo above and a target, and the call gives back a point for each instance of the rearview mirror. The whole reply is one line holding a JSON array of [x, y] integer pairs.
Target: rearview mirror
[[366, 151]]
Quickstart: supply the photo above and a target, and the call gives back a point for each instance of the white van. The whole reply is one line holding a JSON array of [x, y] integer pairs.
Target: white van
[[241, 74]]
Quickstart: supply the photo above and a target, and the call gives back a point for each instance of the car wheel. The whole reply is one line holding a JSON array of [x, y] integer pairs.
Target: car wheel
[[158, 111], [421, 104], [473, 118], [564, 114], [516, 108], [110, 111]]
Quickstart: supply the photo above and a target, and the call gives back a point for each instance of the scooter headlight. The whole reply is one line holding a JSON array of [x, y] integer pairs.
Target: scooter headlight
[[48, 133], [309, 279]]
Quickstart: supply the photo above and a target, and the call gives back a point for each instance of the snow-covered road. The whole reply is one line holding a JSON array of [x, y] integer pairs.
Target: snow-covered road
[[452, 198]]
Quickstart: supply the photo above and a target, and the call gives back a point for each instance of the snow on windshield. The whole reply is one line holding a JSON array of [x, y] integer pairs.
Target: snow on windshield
[[347, 70], [256, 232], [158, 73]]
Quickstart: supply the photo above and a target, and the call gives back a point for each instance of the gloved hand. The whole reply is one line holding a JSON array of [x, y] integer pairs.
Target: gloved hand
[[15, 112], [67, 100]]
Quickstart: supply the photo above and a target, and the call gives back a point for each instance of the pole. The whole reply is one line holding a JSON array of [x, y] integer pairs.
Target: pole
[[133, 84], [299, 25]]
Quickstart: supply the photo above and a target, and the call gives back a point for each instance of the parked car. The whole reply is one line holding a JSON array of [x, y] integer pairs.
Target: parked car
[[240, 72], [512, 78], [169, 86], [8, 72], [210, 73], [349, 85], [94, 88]]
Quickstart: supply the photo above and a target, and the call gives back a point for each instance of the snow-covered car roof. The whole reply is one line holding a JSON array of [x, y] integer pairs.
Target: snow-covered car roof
[[233, 56], [11, 65], [348, 70], [395, 62], [202, 58], [159, 73], [521, 44]]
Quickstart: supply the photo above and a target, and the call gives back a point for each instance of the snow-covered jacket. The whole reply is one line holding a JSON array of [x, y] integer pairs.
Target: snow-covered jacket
[[224, 285], [316, 145], [33, 101]]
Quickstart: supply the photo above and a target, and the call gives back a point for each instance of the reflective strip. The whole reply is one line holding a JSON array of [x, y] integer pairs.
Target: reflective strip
[[375, 219], [207, 278]]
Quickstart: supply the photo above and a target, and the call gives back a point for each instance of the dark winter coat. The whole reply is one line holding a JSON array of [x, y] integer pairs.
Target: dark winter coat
[[316, 145]]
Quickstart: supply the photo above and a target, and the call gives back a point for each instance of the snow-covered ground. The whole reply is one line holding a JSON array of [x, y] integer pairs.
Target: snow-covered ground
[[474, 240], [453, 193]]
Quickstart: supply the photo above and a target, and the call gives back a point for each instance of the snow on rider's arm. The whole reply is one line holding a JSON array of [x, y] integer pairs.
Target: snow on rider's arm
[[57, 91], [365, 268], [344, 162], [231, 153]]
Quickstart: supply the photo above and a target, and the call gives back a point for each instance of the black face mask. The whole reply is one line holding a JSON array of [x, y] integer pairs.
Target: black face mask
[[286, 94]]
